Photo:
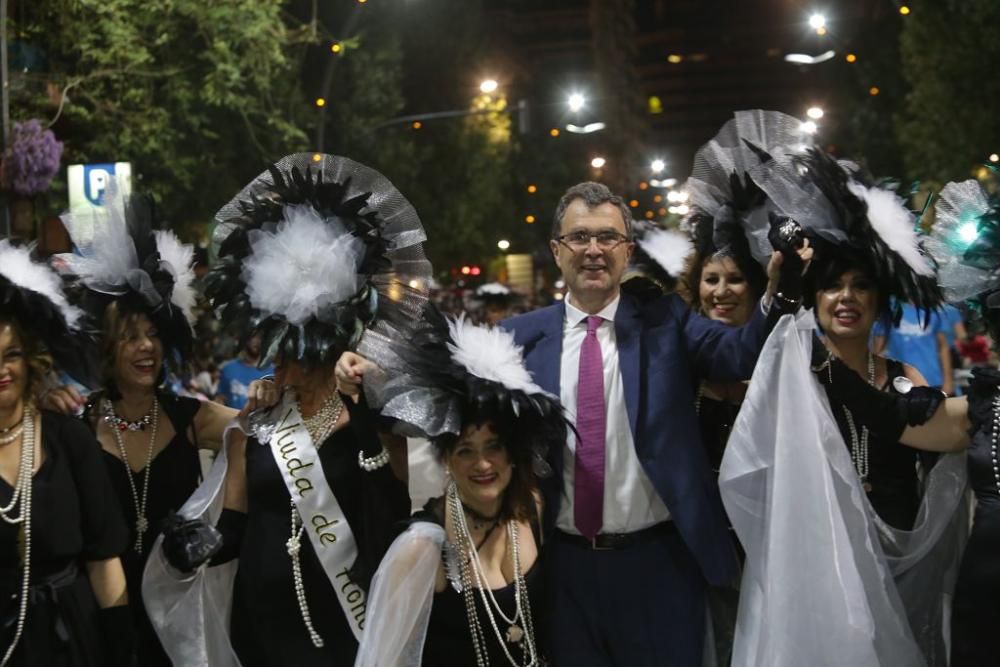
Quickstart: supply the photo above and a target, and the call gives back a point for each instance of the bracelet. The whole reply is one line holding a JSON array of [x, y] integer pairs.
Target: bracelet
[[375, 462]]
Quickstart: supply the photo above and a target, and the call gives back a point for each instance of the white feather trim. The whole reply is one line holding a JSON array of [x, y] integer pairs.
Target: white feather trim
[[892, 221], [307, 265], [107, 253], [490, 354], [17, 266], [668, 249], [179, 259]]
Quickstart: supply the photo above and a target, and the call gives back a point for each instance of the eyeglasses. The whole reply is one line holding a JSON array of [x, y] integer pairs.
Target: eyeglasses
[[577, 241]]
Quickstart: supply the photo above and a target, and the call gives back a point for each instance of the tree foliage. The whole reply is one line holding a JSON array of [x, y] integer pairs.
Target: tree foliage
[[197, 95], [949, 51]]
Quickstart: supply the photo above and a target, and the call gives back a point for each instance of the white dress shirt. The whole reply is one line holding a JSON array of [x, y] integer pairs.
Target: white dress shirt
[[630, 501]]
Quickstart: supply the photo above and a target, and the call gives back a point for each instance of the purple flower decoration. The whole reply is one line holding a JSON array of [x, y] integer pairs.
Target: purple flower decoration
[[32, 159]]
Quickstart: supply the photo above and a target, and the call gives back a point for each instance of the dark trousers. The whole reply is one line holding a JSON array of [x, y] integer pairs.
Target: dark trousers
[[638, 606]]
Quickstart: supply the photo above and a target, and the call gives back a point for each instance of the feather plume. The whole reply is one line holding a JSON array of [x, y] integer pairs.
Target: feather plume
[[668, 249], [17, 267], [305, 267], [179, 259], [894, 224], [107, 253], [490, 354]]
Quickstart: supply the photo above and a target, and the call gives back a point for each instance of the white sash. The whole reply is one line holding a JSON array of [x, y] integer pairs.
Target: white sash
[[325, 523]]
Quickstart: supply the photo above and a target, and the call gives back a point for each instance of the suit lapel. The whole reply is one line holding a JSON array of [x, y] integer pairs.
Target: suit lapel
[[627, 335], [547, 352]]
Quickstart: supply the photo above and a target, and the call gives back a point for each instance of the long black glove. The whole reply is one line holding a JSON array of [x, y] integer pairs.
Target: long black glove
[[118, 635], [786, 236], [886, 414]]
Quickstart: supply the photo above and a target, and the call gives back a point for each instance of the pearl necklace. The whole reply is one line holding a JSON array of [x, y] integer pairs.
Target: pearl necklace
[[294, 546], [11, 434], [321, 424], [996, 442], [141, 522], [22, 493], [859, 446], [474, 576]]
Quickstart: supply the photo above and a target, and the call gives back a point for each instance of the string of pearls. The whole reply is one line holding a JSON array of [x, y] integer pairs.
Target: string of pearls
[[996, 442], [11, 434], [141, 522], [321, 424], [22, 497], [859, 446], [294, 546], [474, 576]]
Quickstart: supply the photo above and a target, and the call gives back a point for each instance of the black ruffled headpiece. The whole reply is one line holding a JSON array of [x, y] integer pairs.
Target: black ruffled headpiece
[[312, 253], [965, 241], [448, 374]]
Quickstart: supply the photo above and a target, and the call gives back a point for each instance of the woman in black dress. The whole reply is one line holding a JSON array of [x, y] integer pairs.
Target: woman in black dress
[[64, 600], [463, 584], [138, 284], [314, 254]]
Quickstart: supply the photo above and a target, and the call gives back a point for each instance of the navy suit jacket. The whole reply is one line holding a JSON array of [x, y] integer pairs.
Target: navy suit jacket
[[663, 348]]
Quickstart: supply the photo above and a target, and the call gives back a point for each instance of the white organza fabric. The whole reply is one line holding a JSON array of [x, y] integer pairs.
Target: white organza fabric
[[826, 582], [400, 599], [190, 612]]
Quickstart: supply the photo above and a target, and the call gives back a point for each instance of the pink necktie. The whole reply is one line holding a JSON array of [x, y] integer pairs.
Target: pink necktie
[[588, 487]]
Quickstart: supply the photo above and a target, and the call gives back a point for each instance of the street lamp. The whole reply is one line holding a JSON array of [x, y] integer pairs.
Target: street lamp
[[817, 22], [488, 86], [576, 102], [658, 165], [503, 244], [598, 162], [814, 112]]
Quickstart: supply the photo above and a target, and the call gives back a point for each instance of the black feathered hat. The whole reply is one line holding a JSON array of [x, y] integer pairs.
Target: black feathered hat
[[313, 252], [449, 373], [32, 294], [120, 258]]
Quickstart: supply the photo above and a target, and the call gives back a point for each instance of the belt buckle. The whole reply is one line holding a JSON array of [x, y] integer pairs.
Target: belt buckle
[[597, 547]]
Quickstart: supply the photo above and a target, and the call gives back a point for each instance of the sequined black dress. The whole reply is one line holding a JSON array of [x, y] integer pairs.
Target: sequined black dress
[[976, 610]]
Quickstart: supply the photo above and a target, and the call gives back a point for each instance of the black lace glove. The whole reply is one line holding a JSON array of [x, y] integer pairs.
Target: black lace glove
[[886, 414], [118, 635], [786, 236], [187, 543]]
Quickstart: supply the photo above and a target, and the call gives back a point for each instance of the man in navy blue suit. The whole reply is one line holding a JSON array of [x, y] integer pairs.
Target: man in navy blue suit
[[635, 528]]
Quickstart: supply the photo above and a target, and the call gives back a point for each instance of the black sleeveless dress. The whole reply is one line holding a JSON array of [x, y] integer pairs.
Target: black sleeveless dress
[[976, 610], [449, 641], [174, 474], [892, 467], [74, 519], [267, 629]]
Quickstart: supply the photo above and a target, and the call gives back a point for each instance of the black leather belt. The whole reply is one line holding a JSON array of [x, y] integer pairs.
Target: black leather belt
[[606, 541]]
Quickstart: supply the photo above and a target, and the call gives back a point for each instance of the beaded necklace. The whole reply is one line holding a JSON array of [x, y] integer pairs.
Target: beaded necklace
[[141, 502], [996, 442], [474, 577], [319, 426], [859, 446], [22, 497]]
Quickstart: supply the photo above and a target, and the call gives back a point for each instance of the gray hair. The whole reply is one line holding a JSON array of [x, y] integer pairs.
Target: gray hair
[[593, 195]]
